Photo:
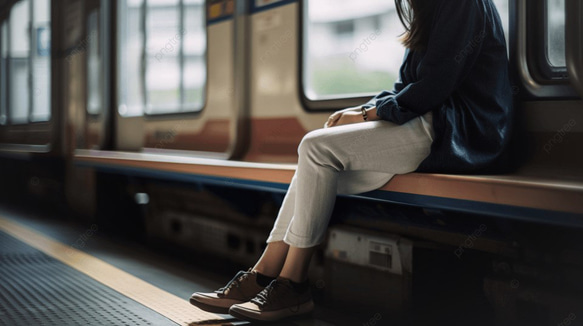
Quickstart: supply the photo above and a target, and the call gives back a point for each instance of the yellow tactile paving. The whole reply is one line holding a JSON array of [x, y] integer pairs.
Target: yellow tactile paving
[[166, 304]]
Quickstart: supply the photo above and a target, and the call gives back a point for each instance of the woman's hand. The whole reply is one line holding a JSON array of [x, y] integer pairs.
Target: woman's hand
[[348, 116]]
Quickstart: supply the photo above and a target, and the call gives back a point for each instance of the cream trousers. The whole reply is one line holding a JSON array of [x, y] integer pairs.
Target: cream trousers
[[347, 159]]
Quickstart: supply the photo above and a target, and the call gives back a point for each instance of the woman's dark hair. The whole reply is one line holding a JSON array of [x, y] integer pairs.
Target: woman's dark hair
[[417, 17]]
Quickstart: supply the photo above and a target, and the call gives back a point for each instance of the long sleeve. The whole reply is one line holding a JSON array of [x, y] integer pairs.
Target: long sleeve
[[454, 45]]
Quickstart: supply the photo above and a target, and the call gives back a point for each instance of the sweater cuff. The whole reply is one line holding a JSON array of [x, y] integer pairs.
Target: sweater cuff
[[385, 106], [390, 110], [367, 105]]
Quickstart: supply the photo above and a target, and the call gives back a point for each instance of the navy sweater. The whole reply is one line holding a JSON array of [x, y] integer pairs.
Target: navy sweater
[[462, 77]]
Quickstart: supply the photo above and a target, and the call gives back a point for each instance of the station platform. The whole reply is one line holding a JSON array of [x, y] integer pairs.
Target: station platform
[[55, 272]]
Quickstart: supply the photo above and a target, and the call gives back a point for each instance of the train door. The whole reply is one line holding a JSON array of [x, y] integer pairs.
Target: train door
[[84, 96]]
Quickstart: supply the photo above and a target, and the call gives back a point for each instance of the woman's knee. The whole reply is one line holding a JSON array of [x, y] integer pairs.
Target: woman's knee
[[309, 143], [318, 147]]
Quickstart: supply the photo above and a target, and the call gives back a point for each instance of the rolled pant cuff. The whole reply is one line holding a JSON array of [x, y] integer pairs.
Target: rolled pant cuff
[[275, 237], [299, 241]]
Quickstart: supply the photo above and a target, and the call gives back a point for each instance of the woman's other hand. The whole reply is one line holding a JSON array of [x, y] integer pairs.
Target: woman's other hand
[[348, 116]]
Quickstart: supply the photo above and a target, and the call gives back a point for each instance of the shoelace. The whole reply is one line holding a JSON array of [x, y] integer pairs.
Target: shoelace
[[233, 282], [262, 298]]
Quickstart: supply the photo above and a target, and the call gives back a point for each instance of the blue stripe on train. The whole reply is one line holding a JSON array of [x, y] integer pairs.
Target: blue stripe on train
[[219, 19], [253, 8]]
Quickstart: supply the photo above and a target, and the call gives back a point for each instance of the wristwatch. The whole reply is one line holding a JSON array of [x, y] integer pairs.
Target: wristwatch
[[364, 114]]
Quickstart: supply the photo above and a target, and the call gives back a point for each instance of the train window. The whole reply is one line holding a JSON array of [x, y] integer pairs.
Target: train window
[[3, 70], [41, 60], [556, 33], [19, 62], [352, 48], [94, 67], [162, 56]]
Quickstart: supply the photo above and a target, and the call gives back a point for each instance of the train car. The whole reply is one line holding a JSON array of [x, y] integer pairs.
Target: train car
[[146, 147]]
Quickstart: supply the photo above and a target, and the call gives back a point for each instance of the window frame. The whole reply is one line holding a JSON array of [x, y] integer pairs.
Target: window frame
[[529, 52], [543, 71], [199, 109], [33, 136]]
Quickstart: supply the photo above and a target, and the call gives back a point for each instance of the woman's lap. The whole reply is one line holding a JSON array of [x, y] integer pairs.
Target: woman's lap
[[377, 146]]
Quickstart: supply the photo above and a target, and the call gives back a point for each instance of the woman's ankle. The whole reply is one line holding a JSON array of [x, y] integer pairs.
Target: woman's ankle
[[300, 287], [263, 279]]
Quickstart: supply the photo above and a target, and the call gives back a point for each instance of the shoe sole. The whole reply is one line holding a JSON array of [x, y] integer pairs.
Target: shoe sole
[[270, 316], [209, 308]]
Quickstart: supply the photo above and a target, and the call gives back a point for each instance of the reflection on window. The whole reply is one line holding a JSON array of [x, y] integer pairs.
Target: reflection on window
[[556, 33], [352, 48], [162, 64], [94, 68], [25, 66]]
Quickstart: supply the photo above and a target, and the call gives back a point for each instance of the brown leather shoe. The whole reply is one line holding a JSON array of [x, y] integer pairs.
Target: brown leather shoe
[[243, 287], [277, 301]]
